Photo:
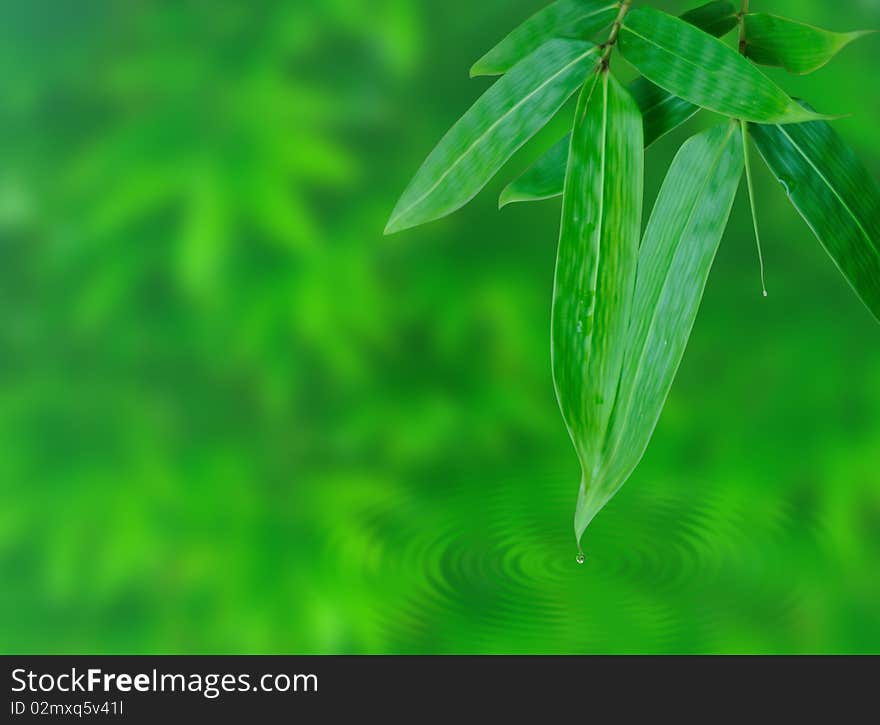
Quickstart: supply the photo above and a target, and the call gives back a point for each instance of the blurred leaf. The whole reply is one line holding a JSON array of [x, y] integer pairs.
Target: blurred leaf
[[596, 265], [675, 258], [513, 110], [562, 19], [701, 69], [834, 193], [662, 112], [797, 47], [183, 382]]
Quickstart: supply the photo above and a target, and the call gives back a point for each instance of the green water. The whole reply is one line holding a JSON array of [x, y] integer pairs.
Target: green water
[[684, 568]]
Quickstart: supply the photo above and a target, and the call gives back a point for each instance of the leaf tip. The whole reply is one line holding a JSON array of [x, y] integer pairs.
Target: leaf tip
[[393, 226], [856, 34], [481, 69], [800, 114]]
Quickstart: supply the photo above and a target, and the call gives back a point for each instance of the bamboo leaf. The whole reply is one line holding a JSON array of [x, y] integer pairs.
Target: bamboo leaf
[[716, 18], [562, 19], [544, 179], [675, 259], [701, 69], [596, 264], [662, 113], [797, 47], [834, 193], [496, 126]]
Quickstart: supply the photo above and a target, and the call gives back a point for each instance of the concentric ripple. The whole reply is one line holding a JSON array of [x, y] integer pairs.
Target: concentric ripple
[[496, 566]]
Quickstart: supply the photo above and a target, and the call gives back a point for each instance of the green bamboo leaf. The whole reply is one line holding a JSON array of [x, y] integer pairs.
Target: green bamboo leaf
[[596, 264], [512, 111], [834, 193], [797, 47], [544, 179], [562, 19], [716, 18], [662, 113], [675, 258], [701, 69]]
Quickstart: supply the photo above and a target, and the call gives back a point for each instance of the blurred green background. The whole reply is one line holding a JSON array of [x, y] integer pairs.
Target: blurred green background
[[235, 418]]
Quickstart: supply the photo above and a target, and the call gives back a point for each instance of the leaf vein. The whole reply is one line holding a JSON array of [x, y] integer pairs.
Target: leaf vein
[[833, 189], [488, 131]]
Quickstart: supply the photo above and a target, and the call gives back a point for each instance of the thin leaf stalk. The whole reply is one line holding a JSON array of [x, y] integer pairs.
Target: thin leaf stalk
[[743, 43], [751, 186]]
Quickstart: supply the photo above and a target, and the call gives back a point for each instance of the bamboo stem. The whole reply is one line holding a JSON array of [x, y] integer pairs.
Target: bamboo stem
[[615, 31], [742, 26]]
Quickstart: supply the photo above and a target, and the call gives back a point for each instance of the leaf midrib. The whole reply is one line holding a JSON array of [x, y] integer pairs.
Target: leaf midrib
[[669, 98], [599, 235], [483, 136], [824, 178], [503, 42], [562, 405], [595, 12], [628, 29]]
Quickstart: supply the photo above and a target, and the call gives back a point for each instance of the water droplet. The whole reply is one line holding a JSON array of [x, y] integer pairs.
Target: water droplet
[[765, 293], [580, 558], [580, 327]]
